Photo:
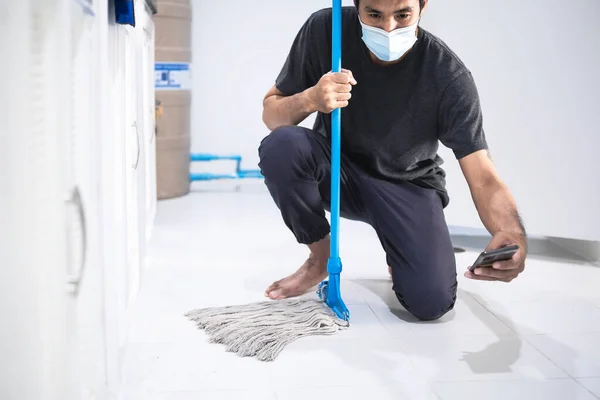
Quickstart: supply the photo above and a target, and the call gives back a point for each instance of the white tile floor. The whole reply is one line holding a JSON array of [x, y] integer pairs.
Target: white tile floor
[[537, 338]]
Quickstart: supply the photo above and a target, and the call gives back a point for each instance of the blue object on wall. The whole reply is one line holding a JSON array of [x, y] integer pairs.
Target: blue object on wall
[[125, 12], [172, 75], [238, 174]]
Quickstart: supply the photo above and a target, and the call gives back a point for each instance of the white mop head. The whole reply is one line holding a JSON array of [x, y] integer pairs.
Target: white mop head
[[263, 329]]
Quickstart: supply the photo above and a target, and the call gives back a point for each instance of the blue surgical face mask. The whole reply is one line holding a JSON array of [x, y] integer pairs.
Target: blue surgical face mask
[[389, 46]]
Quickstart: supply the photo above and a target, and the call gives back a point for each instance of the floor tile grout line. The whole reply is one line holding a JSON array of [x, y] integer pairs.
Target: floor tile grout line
[[585, 388], [532, 345], [524, 338], [493, 314], [410, 329], [432, 383], [516, 379]]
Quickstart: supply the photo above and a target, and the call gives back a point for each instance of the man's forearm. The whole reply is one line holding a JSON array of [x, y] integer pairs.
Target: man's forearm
[[287, 110], [497, 208]]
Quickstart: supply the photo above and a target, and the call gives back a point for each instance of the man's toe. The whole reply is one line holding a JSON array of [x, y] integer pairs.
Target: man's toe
[[276, 294], [273, 286]]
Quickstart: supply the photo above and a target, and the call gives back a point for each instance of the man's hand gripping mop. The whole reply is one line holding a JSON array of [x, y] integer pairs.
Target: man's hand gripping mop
[[263, 329]]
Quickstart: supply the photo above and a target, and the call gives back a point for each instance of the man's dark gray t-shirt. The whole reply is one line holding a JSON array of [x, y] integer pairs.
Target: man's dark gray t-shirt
[[399, 113]]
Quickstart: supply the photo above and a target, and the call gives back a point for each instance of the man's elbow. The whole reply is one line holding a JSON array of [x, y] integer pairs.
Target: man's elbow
[[268, 119], [270, 114]]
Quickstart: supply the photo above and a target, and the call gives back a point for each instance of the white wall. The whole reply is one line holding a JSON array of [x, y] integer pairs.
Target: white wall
[[537, 73], [536, 70], [235, 61]]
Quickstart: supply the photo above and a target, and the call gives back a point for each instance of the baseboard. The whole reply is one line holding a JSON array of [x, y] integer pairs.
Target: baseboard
[[589, 250], [567, 250]]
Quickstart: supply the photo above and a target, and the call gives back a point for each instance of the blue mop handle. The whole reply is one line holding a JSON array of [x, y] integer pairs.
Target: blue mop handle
[[336, 122]]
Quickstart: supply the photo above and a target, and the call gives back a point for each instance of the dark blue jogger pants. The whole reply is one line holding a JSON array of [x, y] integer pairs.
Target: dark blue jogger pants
[[408, 219]]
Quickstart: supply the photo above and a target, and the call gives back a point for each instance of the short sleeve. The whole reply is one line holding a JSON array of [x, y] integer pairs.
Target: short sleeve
[[301, 68], [460, 117]]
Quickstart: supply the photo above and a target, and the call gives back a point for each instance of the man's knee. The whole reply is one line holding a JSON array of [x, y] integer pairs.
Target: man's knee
[[428, 304], [282, 149]]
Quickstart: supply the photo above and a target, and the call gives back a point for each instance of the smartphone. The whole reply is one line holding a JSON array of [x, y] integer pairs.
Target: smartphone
[[487, 258]]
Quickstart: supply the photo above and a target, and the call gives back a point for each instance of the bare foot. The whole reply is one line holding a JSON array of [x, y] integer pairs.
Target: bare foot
[[310, 274]]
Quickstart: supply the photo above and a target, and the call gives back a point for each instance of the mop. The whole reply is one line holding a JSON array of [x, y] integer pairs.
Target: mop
[[263, 329]]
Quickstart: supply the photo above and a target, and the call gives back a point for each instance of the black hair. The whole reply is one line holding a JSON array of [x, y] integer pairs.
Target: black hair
[[421, 3]]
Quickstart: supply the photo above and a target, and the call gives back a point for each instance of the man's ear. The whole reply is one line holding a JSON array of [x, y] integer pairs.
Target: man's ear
[[425, 4]]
